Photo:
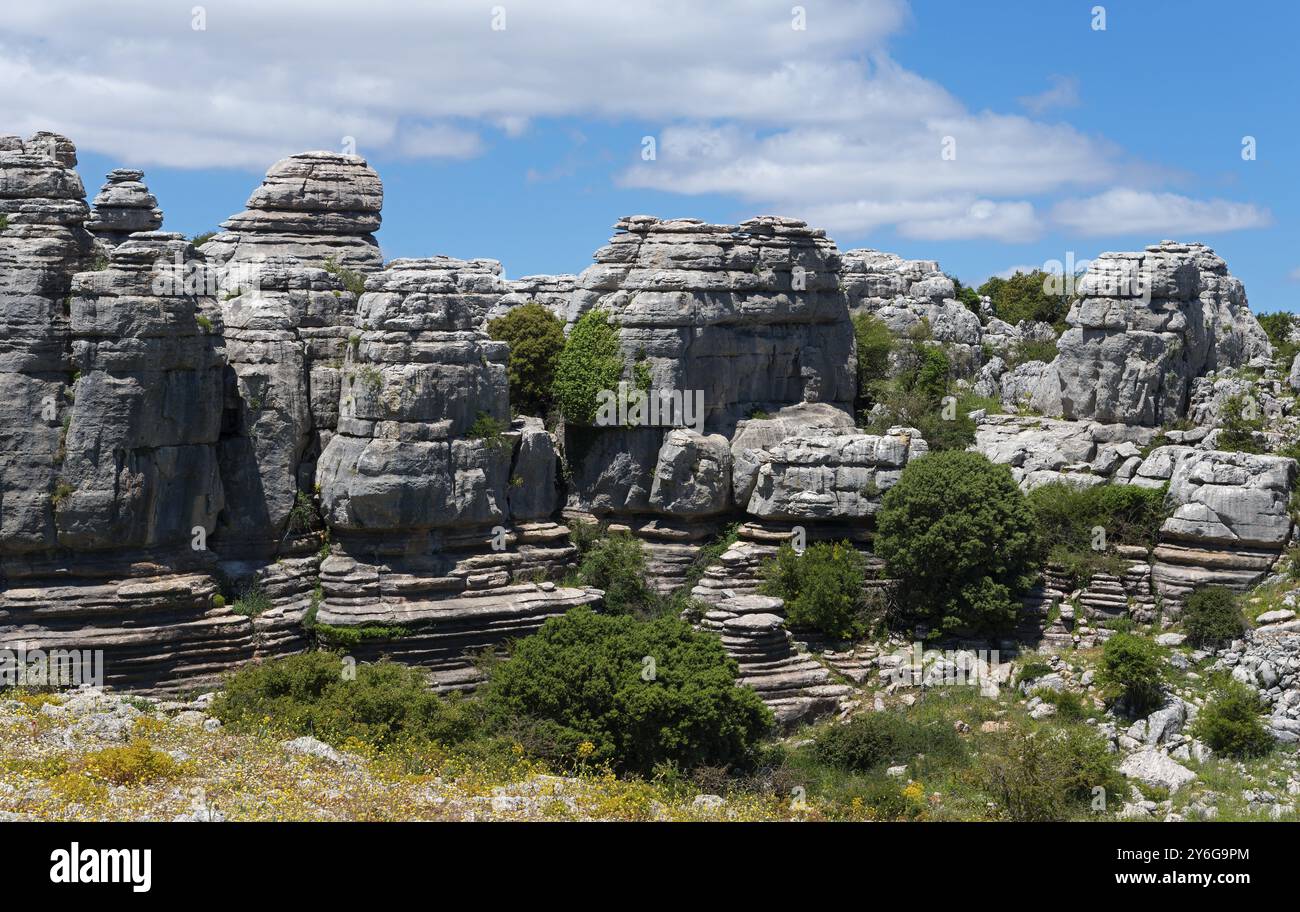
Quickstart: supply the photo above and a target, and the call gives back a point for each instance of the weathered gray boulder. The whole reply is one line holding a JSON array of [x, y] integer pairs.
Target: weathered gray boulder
[[1146, 325], [1231, 499], [839, 478], [1044, 450]]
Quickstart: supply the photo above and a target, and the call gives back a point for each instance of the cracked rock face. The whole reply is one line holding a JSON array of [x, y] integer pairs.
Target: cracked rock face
[[752, 315], [43, 202], [122, 207], [1146, 326], [902, 293]]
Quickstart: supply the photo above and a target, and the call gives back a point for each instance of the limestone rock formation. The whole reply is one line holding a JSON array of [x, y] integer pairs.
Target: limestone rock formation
[[1146, 325], [312, 207], [752, 314], [418, 485], [137, 488], [1044, 450], [42, 245], [554, 292], [123, 206], [795, 686]]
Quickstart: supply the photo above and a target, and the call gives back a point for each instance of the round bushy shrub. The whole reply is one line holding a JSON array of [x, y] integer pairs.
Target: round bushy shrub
[[955, 530], [536, 338], [310, 694], [822, 588], [1229, 722], [616, 564], [591, 361], [1132, 669], [1211, 616], [633, 693], [874, 739]]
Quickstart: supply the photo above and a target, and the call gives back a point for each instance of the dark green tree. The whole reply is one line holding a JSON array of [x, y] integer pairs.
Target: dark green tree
[[957, 533]]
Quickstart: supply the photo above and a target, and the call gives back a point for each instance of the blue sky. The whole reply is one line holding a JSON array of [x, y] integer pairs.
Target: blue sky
[[524, 143]]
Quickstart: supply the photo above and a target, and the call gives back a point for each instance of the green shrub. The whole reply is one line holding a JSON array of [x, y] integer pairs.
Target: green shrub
[[309, 694], [633, 693], [1230, 723], [1239, 421], [200, 239], [1212, 617], [492, 431], [616, 564], [1065, 516], [875, 739], [957, 533], [874, 343], [1048, 775], [590, 362], [1028, 350], [252, 602], [968, 296], [1132, 669], [1278, 326], [1033, 669], [822, 588], [4, 222], [536, 338], [1070, 706]]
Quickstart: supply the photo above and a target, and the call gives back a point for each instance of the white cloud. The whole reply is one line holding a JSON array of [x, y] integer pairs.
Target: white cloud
[[818, 123], [1063, 93], [1127, 211], [1294, 274]]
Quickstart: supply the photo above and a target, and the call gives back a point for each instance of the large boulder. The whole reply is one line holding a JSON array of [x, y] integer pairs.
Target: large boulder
[[122, 207]]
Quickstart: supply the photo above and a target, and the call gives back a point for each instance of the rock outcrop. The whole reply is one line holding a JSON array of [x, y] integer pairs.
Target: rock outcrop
[[439, 506], [909, 295], [1229, 520], [1146, 326], [137, 489], [123, 206], [312, 207]]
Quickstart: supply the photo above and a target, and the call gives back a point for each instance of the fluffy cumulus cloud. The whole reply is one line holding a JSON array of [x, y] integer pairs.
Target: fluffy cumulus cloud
[[1127, 211], [817, 121]]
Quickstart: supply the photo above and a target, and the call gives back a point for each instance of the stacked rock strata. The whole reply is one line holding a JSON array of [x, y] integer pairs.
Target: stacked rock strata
[[439, 505], [136, 489], [42, 246], [1229, 525], [123, 206], [753, 632], [554, 292]]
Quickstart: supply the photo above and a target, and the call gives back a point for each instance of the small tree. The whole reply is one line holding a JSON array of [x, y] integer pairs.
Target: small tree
[[536, 338], [1027, 296], [633, 693], [590, 362], [1131, 669], [1211, 616], [822, 588], [957, 533], [874, 343]]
